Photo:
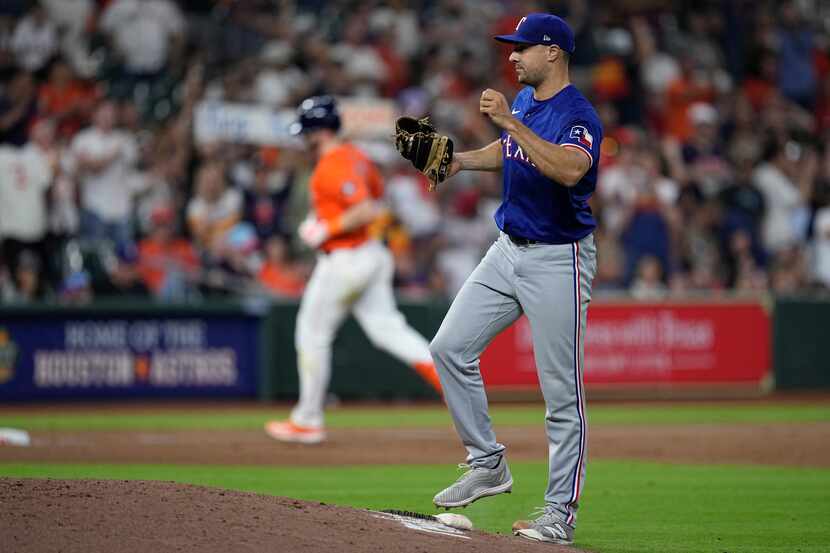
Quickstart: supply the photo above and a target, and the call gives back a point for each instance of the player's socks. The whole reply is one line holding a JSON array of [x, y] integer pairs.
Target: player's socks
[[427, 371]]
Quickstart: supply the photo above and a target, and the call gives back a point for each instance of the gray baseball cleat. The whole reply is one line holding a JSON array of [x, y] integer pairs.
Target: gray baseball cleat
[[474, 484], [547, 527]]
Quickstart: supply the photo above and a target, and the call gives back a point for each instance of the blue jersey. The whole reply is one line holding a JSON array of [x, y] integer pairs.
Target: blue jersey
[[534, 206]]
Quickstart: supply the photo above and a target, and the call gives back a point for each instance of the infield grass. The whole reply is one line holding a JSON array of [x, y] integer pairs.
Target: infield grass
[[628, 507], [408, 417]]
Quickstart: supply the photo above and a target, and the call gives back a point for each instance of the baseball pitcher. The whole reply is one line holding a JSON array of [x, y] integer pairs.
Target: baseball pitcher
[[541, 266]]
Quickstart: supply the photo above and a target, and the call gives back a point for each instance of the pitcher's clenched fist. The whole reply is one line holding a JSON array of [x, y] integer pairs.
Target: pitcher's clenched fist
[[495, 105]]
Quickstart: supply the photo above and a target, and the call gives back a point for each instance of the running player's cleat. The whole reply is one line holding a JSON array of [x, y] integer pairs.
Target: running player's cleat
[[474, 484], [287, 431], [547, 527]]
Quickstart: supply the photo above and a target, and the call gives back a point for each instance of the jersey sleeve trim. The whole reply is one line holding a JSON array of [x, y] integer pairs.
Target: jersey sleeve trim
[[581, 149]]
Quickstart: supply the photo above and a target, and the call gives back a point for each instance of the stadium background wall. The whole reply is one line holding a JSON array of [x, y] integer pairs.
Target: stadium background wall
[[257, 339], [801, 343]]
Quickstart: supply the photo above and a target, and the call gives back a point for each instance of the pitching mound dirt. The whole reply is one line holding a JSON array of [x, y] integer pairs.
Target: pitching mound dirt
[[90, 516]]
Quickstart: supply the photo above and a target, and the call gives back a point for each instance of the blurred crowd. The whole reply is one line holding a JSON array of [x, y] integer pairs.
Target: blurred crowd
[[715, 175]]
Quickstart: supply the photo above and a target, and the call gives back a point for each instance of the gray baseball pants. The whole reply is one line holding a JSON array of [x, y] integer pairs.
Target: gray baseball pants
[[551, 284]]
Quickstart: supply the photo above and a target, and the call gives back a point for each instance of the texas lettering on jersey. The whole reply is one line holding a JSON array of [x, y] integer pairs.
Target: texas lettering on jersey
[[512, 150]]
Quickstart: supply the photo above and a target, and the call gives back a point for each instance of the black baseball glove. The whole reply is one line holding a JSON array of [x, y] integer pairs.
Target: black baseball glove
[[429, 152]]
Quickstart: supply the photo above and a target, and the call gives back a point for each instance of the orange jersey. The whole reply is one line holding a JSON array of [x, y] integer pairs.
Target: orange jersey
[[344, 177]]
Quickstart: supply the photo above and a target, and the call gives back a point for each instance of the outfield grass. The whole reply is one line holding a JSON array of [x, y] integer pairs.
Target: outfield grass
[[403, 417], [628, 507]]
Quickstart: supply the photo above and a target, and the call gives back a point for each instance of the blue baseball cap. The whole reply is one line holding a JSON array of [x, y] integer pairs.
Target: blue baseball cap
[[542, 28]]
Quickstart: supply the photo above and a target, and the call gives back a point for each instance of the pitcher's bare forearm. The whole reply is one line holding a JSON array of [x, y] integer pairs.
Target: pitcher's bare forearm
[[488, 158], [563, 164]]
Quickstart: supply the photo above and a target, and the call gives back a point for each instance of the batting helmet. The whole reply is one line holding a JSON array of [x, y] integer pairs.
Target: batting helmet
[[317, 112]]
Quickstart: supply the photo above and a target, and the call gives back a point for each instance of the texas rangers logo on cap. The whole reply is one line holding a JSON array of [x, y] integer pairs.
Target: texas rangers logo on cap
[[542, 28]]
